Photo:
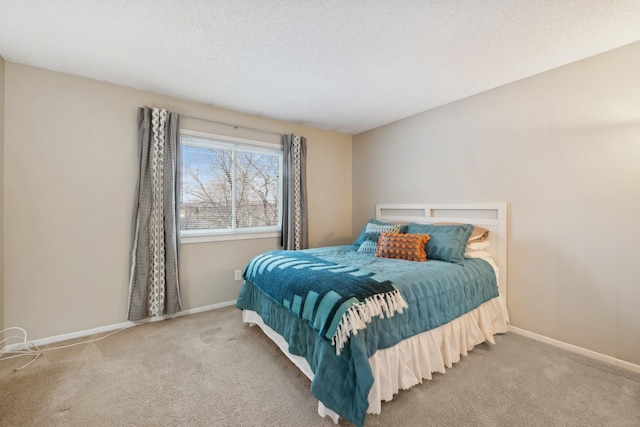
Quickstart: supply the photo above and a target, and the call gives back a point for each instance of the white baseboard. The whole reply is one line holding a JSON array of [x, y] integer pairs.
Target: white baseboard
[[579, 350], [113, 327]]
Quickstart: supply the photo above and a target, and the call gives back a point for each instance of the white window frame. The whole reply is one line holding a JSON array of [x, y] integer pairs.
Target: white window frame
[[211, 235]]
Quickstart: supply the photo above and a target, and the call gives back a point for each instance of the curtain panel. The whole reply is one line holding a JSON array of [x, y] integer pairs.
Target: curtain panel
[[294, 206], [154, 287]]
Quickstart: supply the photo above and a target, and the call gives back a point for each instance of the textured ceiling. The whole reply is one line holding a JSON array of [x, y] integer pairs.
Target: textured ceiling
[[346, 66]]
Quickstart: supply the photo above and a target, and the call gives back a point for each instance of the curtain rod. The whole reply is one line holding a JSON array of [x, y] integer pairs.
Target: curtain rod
[[232, 125]]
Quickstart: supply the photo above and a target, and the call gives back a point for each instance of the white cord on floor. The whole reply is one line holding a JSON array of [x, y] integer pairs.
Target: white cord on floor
[[30, 349]]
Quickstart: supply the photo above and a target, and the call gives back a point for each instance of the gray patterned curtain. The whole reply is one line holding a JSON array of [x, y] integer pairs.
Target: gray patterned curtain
[[154, 287], [294, 208]]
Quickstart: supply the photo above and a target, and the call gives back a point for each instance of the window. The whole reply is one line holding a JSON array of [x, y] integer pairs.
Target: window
[[230, 187]]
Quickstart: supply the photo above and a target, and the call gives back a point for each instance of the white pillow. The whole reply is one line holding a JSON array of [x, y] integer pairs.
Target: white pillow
[[477, 246], [477, 254]]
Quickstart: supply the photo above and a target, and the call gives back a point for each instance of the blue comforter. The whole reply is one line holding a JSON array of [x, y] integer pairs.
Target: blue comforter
[[435, 291]]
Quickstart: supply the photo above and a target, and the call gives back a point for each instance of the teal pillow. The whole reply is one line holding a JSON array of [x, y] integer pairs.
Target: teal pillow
[[447, 242], [361, 237], [372, 234]]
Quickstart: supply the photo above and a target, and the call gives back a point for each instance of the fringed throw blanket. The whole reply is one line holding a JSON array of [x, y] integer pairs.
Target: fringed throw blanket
[[336, 300]]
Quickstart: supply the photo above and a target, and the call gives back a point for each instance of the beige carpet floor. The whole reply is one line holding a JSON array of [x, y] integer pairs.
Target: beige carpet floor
[[209, 369]]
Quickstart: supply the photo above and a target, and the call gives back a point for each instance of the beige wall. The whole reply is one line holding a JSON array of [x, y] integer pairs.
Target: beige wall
[[563, 148], [2, 196], [71, 172]]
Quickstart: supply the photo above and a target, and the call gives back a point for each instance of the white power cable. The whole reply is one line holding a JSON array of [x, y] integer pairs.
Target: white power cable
[[30, 349]]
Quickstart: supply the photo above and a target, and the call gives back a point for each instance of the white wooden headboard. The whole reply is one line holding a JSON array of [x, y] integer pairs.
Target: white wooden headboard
[[492, 216]]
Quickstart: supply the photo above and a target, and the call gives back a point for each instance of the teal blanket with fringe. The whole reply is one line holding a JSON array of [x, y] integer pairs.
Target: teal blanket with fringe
[[336, 300]]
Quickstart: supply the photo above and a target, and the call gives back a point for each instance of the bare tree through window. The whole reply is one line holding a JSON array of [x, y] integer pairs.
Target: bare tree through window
[[229, 188]]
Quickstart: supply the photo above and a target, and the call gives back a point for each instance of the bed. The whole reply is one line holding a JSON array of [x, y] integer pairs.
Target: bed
[[416, 319]]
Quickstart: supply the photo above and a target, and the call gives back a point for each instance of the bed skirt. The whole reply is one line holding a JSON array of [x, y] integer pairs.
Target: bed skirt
[[414, 359]]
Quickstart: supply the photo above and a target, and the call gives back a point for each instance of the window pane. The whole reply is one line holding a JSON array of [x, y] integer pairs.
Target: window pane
[[229, 186], [206, 188], [257, 184]]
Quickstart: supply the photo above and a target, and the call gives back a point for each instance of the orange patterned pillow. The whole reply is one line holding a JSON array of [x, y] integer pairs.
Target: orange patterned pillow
[[402, 246]]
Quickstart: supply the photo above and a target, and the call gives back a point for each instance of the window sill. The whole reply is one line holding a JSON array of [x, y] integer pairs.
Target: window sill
[[225, 237]]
